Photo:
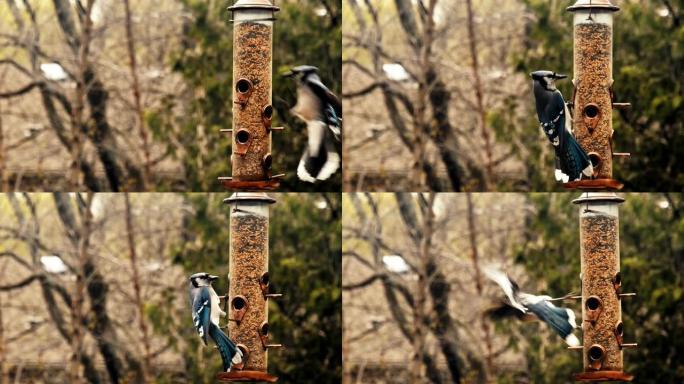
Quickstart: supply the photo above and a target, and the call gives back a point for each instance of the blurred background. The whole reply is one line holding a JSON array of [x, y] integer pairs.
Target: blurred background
[[438, 94], [167, 138], [73, 311], [414, 294]]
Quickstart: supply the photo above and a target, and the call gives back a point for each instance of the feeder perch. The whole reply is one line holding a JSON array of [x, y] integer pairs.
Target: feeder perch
[[248, 309], [601, 284], [251, 157], [245, 357], [617, 283], [592, 98], [264, 284]]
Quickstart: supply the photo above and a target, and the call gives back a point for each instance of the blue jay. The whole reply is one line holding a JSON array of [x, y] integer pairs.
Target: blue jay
[[571, 160], [526, 306], [321, 110], [205, 315]]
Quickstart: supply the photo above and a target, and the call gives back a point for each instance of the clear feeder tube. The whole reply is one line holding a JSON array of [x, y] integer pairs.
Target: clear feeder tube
[[593, 80], [252, 93], [248, 309]]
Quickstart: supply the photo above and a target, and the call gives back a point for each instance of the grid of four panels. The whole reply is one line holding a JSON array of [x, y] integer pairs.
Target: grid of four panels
[[341, 191]]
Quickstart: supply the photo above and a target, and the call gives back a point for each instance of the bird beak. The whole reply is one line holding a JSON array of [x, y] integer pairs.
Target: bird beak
[[288, 74], [559, 76], [213, 278]]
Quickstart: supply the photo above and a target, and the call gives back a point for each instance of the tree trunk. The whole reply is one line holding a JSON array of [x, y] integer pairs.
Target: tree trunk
[[3, 377], [77, 316], [479, 97], [474, 255], [142, 324], [136, 94]]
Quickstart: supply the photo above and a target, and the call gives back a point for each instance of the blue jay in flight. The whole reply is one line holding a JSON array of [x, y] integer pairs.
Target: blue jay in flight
[[526, 306], [205, 315], [321, 110], [571, 160]]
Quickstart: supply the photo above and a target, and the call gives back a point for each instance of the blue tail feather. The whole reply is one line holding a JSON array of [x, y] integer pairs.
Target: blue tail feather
[[574, 160], [225, 346]]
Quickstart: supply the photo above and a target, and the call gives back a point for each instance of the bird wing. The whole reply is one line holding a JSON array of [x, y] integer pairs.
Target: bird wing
[[509, 287], [324, 93], [330, 104], [503, 311], [201, 313], [561, 320], [553, 119], [230, 354]]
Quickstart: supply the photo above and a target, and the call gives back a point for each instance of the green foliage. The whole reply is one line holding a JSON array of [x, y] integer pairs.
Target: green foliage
[[305, 265], [648, 68], [204, 61], [652, 253]]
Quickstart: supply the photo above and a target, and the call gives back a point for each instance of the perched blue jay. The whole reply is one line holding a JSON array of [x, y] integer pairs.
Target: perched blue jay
[[571, 160], [321, 110], [526, 306], [205, 314]]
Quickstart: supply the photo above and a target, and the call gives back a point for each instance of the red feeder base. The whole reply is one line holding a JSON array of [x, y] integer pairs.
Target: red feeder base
[[246, 376], [594, 185], [603, 376], [260, 185]]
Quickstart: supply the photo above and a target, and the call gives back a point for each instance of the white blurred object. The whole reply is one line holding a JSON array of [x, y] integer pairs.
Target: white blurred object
[[54, 71], [53, 264], [395, 263], [321, 11], [396, 72], [321, 204]]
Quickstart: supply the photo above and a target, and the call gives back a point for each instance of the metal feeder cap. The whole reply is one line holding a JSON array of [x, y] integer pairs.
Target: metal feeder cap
[[598, 197], [241, 5], [596, 5], [255, 197]]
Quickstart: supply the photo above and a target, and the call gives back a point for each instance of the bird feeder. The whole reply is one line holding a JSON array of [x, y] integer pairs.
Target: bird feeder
[[593, 99], [251, 157], [248, 295], [602, 328]]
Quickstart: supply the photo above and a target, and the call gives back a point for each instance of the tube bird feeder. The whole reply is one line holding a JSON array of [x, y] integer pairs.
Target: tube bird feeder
[[248, 295], [593, 99], [602, 328], [251, 157]]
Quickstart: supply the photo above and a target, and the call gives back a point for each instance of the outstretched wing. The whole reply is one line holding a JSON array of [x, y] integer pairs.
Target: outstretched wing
[[508, 286], [201, 313], [324, 93], [331, 105]]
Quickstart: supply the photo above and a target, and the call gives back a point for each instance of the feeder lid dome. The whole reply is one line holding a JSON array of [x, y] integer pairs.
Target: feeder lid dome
[[599, 197], [596, 5], [241, 5], [256, 197]]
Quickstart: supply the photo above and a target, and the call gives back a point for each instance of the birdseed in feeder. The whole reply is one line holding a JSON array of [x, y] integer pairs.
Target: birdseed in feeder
[[252, 61], [248, 261], [600, 263]]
